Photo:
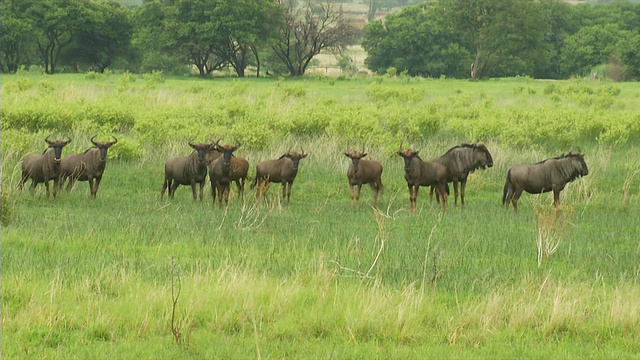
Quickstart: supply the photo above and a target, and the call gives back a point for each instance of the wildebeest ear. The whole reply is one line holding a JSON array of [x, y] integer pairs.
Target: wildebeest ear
[[303, 155], [416, 153], [347, 155], [363, 155]]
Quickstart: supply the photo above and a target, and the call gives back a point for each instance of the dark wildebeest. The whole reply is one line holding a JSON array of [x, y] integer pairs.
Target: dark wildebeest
[[547, 175], [221, 173], [239, 167], [282, 170], [460, 161], [422, 173], [88, 166], [44, 167], [363, 172], [186, 170]]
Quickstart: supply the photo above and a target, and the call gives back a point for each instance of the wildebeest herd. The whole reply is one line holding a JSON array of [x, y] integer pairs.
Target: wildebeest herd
[[224, 167]]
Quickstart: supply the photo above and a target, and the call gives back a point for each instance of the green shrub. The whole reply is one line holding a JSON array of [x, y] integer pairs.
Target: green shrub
[[126, 149]]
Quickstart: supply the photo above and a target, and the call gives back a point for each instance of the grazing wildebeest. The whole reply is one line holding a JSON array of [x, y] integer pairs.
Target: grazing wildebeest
[[423, 173], [221, 173], [239, 167], [88, 166], [363, 172], [460, 161], [544, 176], [282, 170], [44, 167], [186, 170]]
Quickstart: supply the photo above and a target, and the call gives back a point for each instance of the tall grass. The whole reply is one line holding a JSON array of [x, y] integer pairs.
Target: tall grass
[[317, 278]]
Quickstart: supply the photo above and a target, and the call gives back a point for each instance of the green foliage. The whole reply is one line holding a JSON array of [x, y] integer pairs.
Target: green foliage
[[127, 149]]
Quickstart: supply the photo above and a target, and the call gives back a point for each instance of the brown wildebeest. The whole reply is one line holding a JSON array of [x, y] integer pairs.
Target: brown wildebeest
[[186, 170], [460, 161], [548, 175], [422, 173], [239, 167], [282, 170], [44, 167], [363, 172], [88, 166], [221, 173]]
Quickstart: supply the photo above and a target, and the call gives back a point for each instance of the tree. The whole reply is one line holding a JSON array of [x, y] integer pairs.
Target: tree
[[55, 22], [244, 24], [590, 46], [104, 36], [187, 30], [14, 34], [499, 32], [417, 40], [308, 30]]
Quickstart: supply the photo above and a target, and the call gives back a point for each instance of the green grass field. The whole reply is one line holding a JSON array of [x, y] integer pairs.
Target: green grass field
[[130, 275]]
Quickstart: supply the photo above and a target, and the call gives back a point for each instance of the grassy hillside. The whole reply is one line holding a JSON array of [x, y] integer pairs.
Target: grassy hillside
[[132, 275]]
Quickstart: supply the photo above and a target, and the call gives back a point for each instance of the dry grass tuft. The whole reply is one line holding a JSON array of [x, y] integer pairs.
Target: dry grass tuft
[[552, 226]]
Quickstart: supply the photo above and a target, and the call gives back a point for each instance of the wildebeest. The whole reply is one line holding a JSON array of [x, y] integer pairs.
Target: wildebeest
[[88, 166], [361, 172], [423, 173], [462, 160], [187, 170], [239, 167], [221, 173], [282, 170], [544, 176], [44, 167]]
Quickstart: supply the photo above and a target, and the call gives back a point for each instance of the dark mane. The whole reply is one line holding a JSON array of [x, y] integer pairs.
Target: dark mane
[[458, 147]]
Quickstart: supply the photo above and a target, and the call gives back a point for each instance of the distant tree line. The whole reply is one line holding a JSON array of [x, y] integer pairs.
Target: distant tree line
[[452, 38], [282, 36], [488, 38]]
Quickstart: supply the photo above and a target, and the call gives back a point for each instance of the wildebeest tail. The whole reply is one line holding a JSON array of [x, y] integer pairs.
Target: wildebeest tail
[[506, 187], [446, 187]]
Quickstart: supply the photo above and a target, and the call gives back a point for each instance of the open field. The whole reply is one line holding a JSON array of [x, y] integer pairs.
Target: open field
[[112, 277]]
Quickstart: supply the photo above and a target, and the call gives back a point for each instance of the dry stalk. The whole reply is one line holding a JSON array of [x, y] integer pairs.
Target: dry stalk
[[251, 216], [552, 225], [175, 294], [381, 237]]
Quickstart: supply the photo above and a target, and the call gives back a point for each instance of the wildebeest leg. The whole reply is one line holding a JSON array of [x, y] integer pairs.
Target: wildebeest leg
[[165, 184], [193, 190], [358, 189], [46, 186], [412, 197], [201, 190], [98, 180], [556, 197], [431, 194], [455, 192], [240, 186], [515, 197], [443, 193], [463, 184], [172, 189], [375, 188], [351, 193], [32, 188]]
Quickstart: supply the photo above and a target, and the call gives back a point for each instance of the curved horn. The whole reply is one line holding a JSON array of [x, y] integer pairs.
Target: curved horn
[[47, 139], [191, 143], [114, 138], [68, 140], [93, 142]]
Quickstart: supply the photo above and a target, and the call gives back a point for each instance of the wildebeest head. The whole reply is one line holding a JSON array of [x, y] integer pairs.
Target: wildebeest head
[[103, 146], [57, 146], [355, 157], [227, 152], [408, 155], [481, 156], [578, 163], [201, 149], [295, 157]]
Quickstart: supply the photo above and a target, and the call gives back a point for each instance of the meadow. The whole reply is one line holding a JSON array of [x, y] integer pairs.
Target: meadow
[[131, 275]]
